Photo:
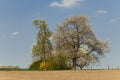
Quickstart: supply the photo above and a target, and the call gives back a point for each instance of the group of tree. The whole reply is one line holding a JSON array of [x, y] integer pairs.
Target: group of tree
[[75, 45]]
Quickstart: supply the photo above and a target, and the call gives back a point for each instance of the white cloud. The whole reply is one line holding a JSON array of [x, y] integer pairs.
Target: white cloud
[[14, 33], [66, 3], [102, 11], [114, 20]]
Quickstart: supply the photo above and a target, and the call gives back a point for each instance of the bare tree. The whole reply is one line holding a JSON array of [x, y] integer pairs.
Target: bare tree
[[76, 37]]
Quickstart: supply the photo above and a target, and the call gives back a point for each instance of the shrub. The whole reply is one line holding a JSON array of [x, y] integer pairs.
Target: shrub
[[48, 65], [59, 61], [35, 65]]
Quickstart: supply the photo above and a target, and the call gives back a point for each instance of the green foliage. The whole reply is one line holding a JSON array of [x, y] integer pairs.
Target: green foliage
[[36, 22], [48, 65], [35, 65], [43, 46], [75, 45], [59, 61]]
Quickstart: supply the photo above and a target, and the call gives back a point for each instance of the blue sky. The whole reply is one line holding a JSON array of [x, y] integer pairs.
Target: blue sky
[[17, 34]]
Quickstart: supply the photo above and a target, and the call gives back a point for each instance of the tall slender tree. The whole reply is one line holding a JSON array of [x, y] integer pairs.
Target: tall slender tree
[[43, 46]]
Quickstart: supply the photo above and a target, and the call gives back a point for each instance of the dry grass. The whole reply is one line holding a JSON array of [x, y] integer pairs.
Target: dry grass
[[61, 75]]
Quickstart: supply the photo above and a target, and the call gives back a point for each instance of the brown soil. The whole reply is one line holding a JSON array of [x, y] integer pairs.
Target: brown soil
[[61, 75]]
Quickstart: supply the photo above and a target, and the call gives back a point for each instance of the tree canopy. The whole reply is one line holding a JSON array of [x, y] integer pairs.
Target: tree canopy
[[76, 37], [43, 46]]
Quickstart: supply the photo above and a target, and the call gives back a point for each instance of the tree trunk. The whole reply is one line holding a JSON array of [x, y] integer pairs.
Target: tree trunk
[[44, 58], [76, 50], [44, 62], [74, 66], [44, 48], [81, 68], [74, 63]]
